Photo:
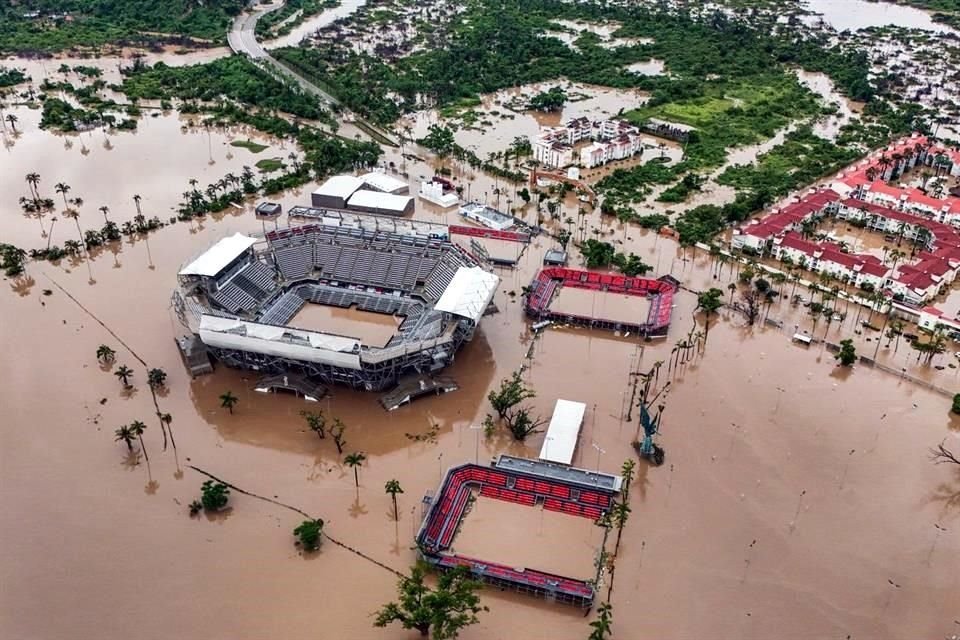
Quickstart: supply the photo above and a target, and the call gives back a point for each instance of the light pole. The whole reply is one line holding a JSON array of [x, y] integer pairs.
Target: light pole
[[599, 451], [476, 451]]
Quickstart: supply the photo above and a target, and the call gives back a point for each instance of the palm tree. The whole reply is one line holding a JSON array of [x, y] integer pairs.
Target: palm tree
[[105, 353], [137, 428], [75, 216], [126, 435], [136, 201], [156, 378], [355, 460], [12, 119], [227, 400], [33, 179], [732, 287], [601, 626], [124, 373], [393, 488], [63, 188], [105, 210]]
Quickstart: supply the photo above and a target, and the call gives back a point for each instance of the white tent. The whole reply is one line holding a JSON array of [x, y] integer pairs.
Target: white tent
[[469, 293], [563, 433], [214, 259]]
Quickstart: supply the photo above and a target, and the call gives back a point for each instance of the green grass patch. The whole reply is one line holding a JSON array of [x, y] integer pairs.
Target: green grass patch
[[250, 145], [268, 165]]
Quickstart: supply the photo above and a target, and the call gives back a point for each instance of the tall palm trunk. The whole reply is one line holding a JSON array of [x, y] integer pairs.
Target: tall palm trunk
[[143, 448]]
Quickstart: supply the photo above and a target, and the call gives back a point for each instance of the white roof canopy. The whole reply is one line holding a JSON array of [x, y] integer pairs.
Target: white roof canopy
[[564, 430], [469, 293], [339, 186], [214, 259], [378, 200], [383, 182]]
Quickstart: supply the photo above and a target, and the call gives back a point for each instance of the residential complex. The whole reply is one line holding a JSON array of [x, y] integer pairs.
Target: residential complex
[[610, 140], [930, 226]]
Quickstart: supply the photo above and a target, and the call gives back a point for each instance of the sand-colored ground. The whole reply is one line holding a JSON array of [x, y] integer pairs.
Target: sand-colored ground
[[530, 538], [601, 304], [373, 329]]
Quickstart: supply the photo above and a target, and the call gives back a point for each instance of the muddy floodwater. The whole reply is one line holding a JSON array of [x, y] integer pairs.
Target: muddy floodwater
[[529, 538], [157, 161], [860, 14], [373, 329], [792, 496]]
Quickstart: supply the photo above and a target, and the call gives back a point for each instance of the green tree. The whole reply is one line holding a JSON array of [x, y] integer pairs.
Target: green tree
[[63, 188], [601, 626], [512, 392], [709, 302], [105, 353], [315, 422], [126, 435], [626, 474], [956, 403], [137, 428], [228, 400], [309, 533], [596, 253], [619, 513], [214, 495], [355, 460], [156, 378], [392, 487], [124, 373], [521, 423], [847, 354], [452, 606]]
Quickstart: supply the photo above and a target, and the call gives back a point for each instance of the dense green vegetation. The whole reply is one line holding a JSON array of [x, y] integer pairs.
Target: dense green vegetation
[[47, 26], [249, 145], [800, 160], [495, 44], [235, 77], [10, 77]]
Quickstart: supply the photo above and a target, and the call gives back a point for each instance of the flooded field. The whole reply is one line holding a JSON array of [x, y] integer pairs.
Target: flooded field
[[501, 116], [600, 304], [309, 26], [861, 14], [108, 168], [373, 329], [529, 537], [573, 29]]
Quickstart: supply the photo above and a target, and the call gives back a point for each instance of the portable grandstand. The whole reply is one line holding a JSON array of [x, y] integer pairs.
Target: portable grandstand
[[555, 488], [241, 297], [548, 283]]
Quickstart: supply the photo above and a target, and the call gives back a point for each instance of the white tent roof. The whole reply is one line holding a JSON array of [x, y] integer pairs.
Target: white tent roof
[[340, 186], [371, 199], [564, 430], [469, 293], [214, 259], [383, 182]]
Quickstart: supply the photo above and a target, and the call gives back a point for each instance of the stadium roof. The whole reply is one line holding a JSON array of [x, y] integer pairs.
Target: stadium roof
[[383, 182], [378, 200], [564, 430], [340, 186], [214, 259], [469, 293]]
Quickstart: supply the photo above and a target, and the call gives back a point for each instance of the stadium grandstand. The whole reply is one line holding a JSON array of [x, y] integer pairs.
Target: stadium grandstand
[[548, 284], [530, 483], [241, 298]]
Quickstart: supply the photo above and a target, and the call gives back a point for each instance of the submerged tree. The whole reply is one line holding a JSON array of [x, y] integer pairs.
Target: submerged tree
[[308, 534], [124, 373], [126, 435], [315, 422], [105, 353], [452, 606], [393, 488], [137, 428], [709, 302], [336, 432], [602, 625], [511, 393], [228, 400], [156, 378], [847, 354], [214, 495], [521, 424]]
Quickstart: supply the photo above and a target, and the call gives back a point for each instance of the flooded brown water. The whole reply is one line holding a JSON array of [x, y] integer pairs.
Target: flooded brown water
[[373, 329], [530, 538], [156, 162], [765, 442]]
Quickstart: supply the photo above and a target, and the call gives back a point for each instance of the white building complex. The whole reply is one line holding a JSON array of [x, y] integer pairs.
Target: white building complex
[[610, 140]]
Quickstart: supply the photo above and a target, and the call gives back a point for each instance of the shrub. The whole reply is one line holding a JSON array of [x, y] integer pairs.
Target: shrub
[[214, 495]]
